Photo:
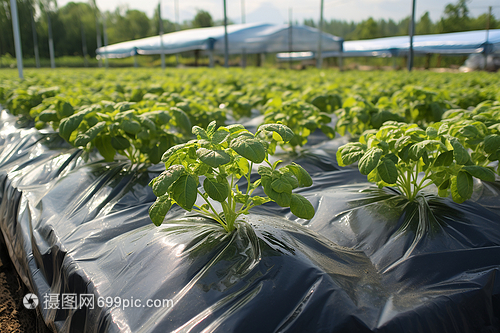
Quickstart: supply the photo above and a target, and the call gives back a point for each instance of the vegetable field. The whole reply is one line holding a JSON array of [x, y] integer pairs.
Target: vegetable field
[[257, 188]]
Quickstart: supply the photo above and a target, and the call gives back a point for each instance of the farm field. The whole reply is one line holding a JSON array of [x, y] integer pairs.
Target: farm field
[[238, 191]]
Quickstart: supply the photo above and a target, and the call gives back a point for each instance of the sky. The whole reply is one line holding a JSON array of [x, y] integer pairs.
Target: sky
[[277, 11]]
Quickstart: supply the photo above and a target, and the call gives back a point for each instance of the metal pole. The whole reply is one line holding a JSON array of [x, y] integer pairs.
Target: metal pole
[[105, 40], [35, 39], [488, 25], [98, 31], [243, 21], [290, 36], [176, 4], [17, 37], [51, 42], [226, 46], [319, 60], [84, 45], [161, 36], [412, 32]]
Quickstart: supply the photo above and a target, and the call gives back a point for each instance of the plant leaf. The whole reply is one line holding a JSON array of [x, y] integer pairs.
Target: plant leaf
[[284, 131], [388, 171], [280, 185], [480, 172], [370, 160], [250, 148], [220, 136], [105, 148], [214, 158], [184, 191], [216, 190], [301, 207], [444, 159], [491, 143], [159, 209], [301, 174], [464, 184], [120, 143], [460, 154], [161, 183]]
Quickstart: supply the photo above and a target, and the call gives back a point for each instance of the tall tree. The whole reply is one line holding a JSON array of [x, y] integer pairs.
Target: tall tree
[[202, 19]]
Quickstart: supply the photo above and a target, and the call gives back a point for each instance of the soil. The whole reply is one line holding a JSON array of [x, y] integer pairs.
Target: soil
[[14, 317]]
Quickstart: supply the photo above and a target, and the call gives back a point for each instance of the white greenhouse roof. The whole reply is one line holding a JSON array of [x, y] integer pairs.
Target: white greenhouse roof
[[451, 43], [253, 38]]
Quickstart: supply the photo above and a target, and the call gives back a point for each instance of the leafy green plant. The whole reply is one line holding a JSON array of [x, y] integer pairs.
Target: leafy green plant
[[397, 153], [219, 158], [301, 117]]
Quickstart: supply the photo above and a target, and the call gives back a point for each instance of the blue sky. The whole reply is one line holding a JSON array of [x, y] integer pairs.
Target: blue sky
[[277, 11]]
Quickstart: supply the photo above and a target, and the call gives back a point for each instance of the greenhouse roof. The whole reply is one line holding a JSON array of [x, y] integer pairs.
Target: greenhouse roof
[[253, 38], [451, 43]]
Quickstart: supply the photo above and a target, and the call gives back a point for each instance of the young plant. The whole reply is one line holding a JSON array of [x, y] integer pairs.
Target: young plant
[[396, 154], [219, 158]]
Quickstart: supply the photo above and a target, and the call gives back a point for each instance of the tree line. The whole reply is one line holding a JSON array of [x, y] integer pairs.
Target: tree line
[[455, 18], [74, 25]]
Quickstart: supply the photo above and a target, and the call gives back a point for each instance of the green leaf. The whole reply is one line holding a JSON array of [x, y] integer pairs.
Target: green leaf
[[460, 154], [250, 148], [161, 183], [130, 126], [211, 127], [417, 150], [181, 119], [350, 153], [105, 148], [491, 143], [302, 175], [264, 170], [220, 136], [480, 172], [282, 199], [66, 110], [388, 171], [120, 143], [464, 184], [159, 209], [284, 131], [444, 159], [184, 191], [280, 185], [68, 125], [431, 132], [198, 131], [48, 116], [370, 160], [301, 207], [214, 158], [454, 191], [89, 135], [218, 191]]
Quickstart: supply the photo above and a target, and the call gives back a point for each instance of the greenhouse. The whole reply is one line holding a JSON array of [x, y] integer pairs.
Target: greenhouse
[[252, 38]]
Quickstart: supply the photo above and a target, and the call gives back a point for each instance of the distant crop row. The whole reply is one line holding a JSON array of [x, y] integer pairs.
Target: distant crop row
[[411, 123]]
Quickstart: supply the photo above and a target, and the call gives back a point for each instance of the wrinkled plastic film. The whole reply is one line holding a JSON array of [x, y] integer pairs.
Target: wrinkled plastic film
[[369, 261]]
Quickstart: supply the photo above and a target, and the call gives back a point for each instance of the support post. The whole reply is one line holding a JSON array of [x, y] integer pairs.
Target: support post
[[290, 37], [412, 32], [105, 41], [319, 59], [161, 36], [84, 45], [17, 37], [176, 5], [226, 46], [51, 43], [243, 21], [211, 58], [35, 39]]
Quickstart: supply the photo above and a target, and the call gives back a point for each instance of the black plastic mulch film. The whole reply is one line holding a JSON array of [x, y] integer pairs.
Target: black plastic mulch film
[[369, 261]]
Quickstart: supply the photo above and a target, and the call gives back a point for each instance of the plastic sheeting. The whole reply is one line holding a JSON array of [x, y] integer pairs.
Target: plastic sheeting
[[451, 43], [369, 261], [252, 37]]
